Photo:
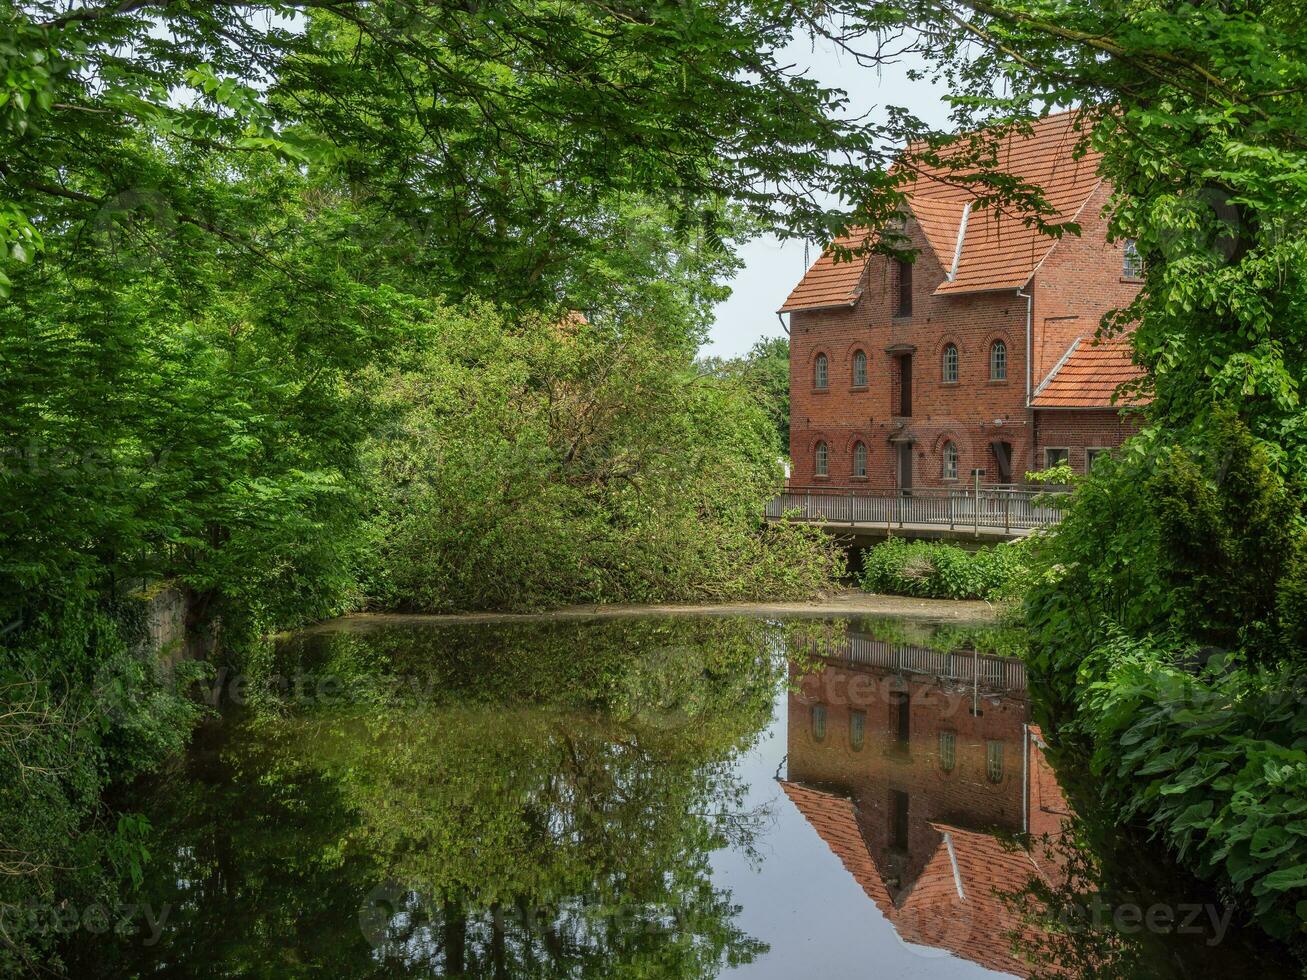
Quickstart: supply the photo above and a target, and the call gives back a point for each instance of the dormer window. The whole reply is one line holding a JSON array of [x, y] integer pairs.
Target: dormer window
[[903, 288]]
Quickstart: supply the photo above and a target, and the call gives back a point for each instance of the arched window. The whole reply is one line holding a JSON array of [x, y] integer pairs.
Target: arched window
[[948, 751], [950, 461], [950, 371], [819, 722], [860, 459], [859, 369], [821, 371], [998, 361], [821, 463], [1132, 263], [994, 761]]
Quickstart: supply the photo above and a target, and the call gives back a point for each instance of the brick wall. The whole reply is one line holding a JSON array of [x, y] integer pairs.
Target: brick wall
[[1080, 431], [1078, 282], [963, 413]]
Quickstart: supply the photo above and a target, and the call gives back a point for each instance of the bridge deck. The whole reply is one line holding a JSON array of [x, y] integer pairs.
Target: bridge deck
[[988, 514]]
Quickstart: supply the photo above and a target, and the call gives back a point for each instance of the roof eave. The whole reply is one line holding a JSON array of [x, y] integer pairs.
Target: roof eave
[[1120, 407], [814, 309]]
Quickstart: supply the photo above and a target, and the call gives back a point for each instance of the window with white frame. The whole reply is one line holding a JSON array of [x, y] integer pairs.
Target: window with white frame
[[950, 367], [994, 761], [821, 372], [821, 461], [859, 369], [860, 459], [948, 751], [1132, 263], [819, 722], [950, 461], [998, 361], [857, 730]]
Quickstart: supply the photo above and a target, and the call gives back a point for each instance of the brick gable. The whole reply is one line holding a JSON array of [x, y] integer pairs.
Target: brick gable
[[1002, 272]]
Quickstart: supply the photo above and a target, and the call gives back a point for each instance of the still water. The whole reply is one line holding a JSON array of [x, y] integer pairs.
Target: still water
[[652, 797]]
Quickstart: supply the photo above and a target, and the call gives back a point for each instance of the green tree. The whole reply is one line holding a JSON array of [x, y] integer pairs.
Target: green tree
[[765, 369], [532, 463], [501, 134]]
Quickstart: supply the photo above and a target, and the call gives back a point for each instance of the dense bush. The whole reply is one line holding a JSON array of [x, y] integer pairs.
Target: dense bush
[[530, 464], [1167, 647], [83, 712], [1212, 761], [936, 570]]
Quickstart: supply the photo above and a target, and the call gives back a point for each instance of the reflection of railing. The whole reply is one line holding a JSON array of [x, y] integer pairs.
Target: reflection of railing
[[985, 670], [989, 509]]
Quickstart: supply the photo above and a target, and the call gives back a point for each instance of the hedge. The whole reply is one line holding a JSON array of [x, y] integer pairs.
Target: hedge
[[935, 570]]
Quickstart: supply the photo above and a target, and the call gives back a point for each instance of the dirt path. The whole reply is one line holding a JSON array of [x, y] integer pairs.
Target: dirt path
[[848, 602]]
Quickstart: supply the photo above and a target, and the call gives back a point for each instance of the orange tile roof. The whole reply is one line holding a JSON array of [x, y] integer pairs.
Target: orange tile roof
[[940, 220], [976, 925], [999, 251], [1088, 375], [831, 281], [835, 818]]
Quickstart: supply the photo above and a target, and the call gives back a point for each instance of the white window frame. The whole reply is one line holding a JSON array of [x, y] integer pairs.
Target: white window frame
[[994, 768], [821, 459], [948, 751], [860, 464], [858, 724], [1132, 263], [945, 365], [817, 718], [821, 372], [998, 360], [860, 371], [950, 472]]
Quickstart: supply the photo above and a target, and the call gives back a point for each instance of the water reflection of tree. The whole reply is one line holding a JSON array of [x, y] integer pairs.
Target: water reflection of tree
[[1101, 870], [555, 816], [550, 845]]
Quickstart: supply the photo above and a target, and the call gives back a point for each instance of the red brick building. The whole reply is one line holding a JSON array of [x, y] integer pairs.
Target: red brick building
[[914, 782], [977, 356]]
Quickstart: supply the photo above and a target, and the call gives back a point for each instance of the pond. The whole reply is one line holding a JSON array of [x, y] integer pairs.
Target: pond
[[655, 797]]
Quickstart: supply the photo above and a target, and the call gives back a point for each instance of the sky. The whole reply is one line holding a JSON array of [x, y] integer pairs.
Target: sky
[[772, 268]]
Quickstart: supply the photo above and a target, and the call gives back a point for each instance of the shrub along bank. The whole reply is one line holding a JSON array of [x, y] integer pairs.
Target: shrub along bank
[[1168, 622], [527, 466], [937, 570]]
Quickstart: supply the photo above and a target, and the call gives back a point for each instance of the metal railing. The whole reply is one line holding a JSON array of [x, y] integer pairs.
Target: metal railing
[[989, 508], [985, 670]]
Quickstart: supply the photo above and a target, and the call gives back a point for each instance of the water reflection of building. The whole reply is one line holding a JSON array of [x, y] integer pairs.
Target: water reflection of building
[[918, 768]]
